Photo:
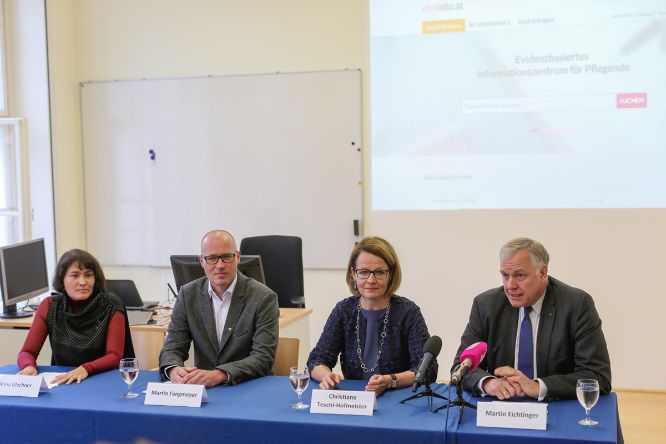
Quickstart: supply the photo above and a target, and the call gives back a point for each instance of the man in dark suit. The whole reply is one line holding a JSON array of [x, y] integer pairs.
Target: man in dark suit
[[558, 325], [231, 319]]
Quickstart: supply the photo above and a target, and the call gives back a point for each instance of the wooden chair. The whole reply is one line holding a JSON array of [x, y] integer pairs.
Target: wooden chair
[[286, 356]]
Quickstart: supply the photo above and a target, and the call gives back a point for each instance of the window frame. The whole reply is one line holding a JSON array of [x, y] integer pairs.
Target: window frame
[[19, 200], [4, 102]]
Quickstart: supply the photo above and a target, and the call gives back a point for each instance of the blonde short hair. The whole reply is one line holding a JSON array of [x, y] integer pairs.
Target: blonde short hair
[[380, 248]]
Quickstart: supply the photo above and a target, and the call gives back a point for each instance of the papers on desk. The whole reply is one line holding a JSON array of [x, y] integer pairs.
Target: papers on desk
[[22, 385], [162, 316]]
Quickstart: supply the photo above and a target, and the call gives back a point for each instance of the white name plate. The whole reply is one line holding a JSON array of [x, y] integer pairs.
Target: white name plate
[[343, 402], [50, 376], [22, 385], [512, 415], [180, 395]]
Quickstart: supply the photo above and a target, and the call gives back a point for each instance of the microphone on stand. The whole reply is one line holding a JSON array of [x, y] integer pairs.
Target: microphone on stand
[[470, 359], [431, 349]]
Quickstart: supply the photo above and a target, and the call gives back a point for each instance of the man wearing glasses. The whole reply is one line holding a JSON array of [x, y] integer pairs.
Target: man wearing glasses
[[231, 319]]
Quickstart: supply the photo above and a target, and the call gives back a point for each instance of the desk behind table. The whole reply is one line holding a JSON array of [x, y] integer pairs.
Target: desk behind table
[[259, 411], [148, 339]]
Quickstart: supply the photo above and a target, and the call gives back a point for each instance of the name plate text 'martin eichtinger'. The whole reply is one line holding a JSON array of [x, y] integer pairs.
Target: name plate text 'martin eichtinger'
[[512, 415]]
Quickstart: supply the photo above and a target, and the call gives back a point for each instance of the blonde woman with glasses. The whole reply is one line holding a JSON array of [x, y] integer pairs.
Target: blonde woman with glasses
[[377, 335]]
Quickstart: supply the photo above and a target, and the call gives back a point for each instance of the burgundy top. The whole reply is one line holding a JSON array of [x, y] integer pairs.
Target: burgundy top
[[115, 339]]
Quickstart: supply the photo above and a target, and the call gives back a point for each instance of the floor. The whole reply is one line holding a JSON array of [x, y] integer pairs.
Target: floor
[[643, 417]]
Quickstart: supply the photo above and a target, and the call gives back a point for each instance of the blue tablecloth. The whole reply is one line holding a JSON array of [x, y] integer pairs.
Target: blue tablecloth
[[259, 411]]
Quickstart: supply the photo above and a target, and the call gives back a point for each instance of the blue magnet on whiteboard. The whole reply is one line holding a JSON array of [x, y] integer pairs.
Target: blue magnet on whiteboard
[[152, 154]]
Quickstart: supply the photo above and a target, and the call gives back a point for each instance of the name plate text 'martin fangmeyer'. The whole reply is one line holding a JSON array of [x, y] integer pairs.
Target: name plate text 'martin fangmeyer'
[[182, 395]]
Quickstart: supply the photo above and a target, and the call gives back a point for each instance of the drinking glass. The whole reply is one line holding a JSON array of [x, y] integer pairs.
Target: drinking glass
[[587, 391], [299, 378], [129, 370]]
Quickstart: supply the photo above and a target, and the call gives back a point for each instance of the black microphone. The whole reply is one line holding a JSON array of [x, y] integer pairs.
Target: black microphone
[[430, 351]]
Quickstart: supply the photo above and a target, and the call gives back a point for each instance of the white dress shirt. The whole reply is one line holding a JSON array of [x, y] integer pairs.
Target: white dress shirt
[[220, 311], [221, 306], [535, 316]]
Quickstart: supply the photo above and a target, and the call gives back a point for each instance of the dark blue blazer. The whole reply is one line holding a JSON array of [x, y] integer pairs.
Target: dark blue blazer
[[570, 342]]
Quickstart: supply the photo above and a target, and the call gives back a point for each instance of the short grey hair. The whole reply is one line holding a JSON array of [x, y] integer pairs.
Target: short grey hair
[[536, 250]]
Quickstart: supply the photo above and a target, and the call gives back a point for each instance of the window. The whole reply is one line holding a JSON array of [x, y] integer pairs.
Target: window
[[11, 229], [4, 108], [11, 216]]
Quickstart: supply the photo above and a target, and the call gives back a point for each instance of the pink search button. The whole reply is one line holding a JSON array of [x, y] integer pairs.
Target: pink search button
[[632, 100]]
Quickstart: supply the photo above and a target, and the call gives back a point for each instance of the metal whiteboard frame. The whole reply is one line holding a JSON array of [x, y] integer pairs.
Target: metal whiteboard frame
[[275, 153]]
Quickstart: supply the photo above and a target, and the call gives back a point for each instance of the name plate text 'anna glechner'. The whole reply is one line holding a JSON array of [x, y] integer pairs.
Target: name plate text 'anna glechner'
[[22, 385]]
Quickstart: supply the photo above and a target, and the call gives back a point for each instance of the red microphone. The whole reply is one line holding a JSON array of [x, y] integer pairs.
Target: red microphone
[[470, 359]]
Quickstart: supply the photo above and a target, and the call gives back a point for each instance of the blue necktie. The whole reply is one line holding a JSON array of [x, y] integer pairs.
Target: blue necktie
[[526, 345]]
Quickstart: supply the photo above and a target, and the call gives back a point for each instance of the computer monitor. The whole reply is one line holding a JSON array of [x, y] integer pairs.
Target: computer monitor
[[23, 275], [186, 268]]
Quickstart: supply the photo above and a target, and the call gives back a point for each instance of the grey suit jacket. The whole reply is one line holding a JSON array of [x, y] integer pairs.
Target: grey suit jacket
[[250, 337], [570, 342]]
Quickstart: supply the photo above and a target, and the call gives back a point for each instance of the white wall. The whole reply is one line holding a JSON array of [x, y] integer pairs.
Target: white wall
[[109, 39], [448, 257], [27, 73]]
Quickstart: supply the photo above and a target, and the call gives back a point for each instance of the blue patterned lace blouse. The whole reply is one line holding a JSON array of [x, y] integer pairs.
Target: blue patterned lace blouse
[[406, 333]]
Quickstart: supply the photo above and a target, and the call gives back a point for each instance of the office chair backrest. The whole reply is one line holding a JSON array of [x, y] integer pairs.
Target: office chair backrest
[[126, 290], [128, 347], [282, 260]]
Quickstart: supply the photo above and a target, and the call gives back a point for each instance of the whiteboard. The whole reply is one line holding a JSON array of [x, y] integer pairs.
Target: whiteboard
[[253, 154]]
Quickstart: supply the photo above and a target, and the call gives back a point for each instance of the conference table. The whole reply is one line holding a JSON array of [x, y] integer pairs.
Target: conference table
[[259, 411]]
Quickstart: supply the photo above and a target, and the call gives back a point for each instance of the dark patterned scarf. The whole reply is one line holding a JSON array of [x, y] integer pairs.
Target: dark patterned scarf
[[78, 338]]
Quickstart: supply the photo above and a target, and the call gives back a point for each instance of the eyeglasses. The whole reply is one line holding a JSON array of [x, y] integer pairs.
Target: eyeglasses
[[364, 273], [213, 259]]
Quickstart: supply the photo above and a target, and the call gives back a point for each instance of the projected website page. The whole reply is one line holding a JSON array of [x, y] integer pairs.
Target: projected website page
[[506, 104]]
